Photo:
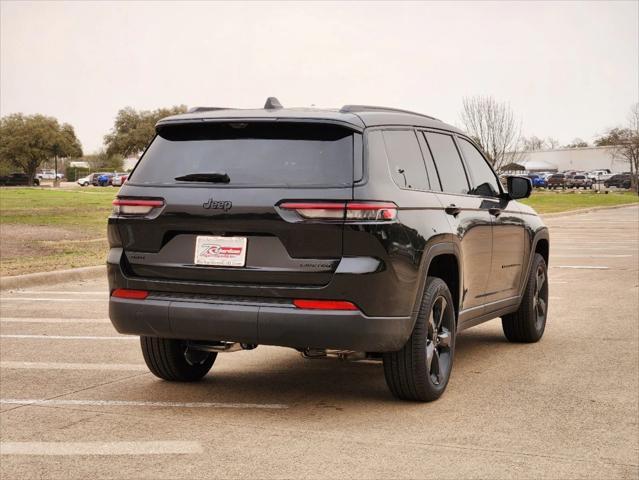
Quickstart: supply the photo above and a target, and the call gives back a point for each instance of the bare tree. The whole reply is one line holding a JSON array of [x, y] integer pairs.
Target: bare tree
[[625, 141], [577, 143], [532, 143], [492, 124], [551, 142]]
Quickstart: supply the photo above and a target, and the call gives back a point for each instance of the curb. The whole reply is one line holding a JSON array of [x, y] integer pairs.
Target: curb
[[586, 210], [57, 276]]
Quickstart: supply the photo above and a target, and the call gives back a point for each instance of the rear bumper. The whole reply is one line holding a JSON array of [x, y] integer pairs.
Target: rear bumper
[[266, 324]]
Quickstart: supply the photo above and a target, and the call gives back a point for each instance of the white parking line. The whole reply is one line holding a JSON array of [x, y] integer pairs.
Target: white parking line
[[71, 366], [52, 320], [40, 299], [133, 403], [101, 448], [69, 337], [65, 292], [587, 267], [587, 255]]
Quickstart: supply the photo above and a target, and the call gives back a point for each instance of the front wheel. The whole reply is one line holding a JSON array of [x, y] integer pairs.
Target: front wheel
[[528, 323], [421, 369], [173, 360]]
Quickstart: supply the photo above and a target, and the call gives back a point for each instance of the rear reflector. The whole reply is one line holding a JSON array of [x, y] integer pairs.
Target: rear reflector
[[324, 305], [134, 206], [127, 293], [347, 211]]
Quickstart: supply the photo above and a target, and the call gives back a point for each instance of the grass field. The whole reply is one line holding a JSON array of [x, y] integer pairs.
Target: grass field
[[45, 229], [553, 202], [42, 229]]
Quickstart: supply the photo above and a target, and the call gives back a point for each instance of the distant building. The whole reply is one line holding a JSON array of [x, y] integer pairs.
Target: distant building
[[129, 163], [79, 164], [580, 159]]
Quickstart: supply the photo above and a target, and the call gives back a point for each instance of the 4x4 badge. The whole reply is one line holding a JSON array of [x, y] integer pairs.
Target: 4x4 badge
[[218, 205]]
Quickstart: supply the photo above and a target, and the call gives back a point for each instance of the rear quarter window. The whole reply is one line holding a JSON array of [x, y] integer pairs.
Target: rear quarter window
[[405, 159], [251, 154]]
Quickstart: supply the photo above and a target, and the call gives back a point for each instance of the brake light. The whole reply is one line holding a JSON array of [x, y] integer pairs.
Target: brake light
[[128, 293], [347, 211], [135, 206], [324, 305]]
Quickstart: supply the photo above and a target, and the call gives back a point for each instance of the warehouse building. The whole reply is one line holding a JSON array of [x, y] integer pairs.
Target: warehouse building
[[562, 159]]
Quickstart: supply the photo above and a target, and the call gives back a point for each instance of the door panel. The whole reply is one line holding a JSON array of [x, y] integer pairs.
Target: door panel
[[508, 251], [473, 229]]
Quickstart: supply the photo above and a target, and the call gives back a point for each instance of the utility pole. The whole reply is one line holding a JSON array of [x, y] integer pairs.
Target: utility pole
[[56, 180]]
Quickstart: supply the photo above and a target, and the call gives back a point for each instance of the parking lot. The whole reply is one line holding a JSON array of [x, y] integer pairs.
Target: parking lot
[[77, 401]]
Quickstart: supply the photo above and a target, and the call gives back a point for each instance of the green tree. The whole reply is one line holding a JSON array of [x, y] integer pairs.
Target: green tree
[[133, 130], [26, 141], [105, 162]]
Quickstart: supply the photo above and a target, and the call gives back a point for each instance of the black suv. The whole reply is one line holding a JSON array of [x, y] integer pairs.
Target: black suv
[[365, 232], [621, 180]]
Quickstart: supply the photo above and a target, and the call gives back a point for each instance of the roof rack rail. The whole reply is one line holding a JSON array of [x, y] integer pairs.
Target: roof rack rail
[[205, 109], [373, 108]]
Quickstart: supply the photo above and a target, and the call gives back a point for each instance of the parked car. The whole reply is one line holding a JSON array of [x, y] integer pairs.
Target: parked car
[[621, 180], [101, 179], [537, 180], [49, 175], [17, 180], [119, 179], [581, 181], [85, 181], [247, 227], [556, 180], [599, 175]]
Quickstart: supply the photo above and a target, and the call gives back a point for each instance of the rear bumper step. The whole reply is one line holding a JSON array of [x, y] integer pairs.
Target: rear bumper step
[[281, 325]]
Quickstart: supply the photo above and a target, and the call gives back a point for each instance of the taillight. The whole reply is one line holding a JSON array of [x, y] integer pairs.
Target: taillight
[[347, 211], [128, 293], [135, 206], [324, 305]]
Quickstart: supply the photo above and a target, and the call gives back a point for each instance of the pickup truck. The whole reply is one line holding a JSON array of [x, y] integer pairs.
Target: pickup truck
[[556, 180], [580, 181], [17, 180]]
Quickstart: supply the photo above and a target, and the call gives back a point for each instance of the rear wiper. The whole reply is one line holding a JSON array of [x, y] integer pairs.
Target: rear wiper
[[205, 177]]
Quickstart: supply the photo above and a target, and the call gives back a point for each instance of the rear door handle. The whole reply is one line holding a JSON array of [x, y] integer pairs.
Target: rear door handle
[[452, 209], [495, 211]]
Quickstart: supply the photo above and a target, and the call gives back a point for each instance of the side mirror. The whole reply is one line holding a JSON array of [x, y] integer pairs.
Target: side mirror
[[519, 187]]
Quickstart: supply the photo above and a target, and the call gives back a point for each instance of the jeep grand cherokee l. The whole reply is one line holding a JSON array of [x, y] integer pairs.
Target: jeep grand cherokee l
[[361, 231]]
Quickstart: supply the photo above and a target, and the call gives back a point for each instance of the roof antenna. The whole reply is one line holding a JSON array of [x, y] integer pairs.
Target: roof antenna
[[272, 103]]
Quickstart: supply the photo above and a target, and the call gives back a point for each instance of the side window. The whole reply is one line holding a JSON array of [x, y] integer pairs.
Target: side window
[[405, 159], [430, 164], [484, 182], [449, 164]]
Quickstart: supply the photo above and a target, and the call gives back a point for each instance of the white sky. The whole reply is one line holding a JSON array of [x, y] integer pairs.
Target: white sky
[[567, 69]]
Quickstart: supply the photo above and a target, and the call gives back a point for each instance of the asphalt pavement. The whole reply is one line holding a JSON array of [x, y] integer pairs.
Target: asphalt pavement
[[77, 402]]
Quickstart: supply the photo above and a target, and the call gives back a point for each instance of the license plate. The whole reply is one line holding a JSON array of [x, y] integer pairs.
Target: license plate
[[220, 251]]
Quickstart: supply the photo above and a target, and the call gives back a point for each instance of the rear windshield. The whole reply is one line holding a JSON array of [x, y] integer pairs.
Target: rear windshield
[[558, 175], [250, 154]]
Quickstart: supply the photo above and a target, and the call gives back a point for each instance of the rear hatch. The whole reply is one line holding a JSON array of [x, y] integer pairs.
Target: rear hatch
[[219, 189]]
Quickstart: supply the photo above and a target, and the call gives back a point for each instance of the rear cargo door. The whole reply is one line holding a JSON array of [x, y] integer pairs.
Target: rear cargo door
[[221, 186]]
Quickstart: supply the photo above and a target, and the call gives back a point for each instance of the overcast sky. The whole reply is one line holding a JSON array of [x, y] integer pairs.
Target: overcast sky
[[568, 70]]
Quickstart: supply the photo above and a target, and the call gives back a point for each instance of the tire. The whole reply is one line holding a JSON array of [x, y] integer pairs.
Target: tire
[[421, 369], [528, 323], [170, 359]]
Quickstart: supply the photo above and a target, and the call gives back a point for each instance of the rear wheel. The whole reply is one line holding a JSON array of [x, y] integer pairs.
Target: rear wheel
[[173, 360], [420, 371], [529, 322]]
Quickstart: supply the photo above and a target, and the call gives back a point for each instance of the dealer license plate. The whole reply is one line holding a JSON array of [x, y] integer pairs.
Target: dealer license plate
[[220, 251]]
